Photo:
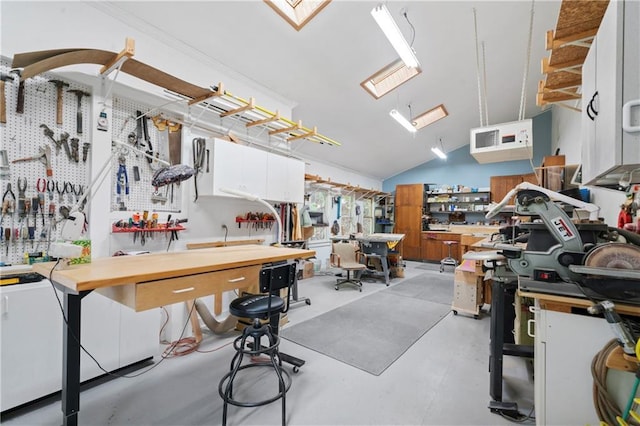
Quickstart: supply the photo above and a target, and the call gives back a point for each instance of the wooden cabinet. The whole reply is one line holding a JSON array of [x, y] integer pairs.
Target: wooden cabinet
[[408, 218], [501, 185], [433, 248], [409, 195]]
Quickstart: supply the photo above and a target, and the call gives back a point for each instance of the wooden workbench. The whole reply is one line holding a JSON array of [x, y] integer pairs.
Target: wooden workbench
[[147, 281]]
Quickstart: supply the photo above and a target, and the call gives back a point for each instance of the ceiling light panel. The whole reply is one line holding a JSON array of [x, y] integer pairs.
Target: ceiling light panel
[[429, 117], [388, 78], [402, 120], [437, 151]]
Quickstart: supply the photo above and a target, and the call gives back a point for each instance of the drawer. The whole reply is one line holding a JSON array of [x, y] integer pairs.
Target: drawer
[[153, 294]]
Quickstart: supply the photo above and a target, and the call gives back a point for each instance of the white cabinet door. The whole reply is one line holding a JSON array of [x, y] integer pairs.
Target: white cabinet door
[[31, 350], [285, 179], [565, 345], [237, 167], [609, 87], [590, 164], [31, 332]]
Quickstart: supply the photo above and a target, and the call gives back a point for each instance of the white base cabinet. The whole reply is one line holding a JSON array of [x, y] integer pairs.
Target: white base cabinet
[[565, 345], [31, 345]]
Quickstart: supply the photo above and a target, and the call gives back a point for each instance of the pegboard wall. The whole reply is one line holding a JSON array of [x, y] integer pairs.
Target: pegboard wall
[[23, 136], [127, 121], [26, 231]]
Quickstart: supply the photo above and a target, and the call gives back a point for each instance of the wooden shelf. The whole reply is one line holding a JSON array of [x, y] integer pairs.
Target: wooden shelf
[[360, 192], [577, 25]]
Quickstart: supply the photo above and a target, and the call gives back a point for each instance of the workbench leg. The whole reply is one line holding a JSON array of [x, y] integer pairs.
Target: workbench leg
[[71, 360], [385, 268], [496, 339]]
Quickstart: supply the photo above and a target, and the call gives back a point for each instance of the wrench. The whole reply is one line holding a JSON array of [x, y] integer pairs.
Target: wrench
[[49, 133]]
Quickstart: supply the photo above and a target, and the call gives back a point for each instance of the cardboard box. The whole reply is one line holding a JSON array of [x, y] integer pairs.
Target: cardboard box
[[305, 270]]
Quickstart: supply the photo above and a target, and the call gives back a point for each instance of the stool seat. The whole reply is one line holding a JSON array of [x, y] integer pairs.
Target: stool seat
[[449, 260], [255, 305]]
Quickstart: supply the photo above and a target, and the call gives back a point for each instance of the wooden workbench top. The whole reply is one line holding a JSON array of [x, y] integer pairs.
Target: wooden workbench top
[[113, 271]]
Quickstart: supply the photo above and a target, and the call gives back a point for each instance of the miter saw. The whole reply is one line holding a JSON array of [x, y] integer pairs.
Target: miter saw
[[584, 259], [581, 259]]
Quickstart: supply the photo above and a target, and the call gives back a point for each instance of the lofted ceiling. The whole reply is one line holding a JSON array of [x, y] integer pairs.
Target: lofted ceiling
[[320, 67]]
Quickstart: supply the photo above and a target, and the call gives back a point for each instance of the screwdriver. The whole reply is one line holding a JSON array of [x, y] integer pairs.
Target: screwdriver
[[41, 203], [35, 204], [7, 239]]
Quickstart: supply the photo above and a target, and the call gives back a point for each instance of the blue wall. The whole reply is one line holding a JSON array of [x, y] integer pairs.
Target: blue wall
[[460, 168]]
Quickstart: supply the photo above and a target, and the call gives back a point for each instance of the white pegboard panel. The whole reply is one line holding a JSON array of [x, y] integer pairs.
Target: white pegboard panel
[[23, 136], [142, 195]]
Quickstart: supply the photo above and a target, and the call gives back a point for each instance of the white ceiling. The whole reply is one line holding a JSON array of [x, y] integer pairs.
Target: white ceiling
[[320, 67]]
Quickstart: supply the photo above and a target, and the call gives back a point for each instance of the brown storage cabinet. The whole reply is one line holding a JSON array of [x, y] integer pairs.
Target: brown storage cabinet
[[408, 218], [433, 248], [501, 185]]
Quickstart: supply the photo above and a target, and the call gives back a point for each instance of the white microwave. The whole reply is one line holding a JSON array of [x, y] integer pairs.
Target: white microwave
[[502, 142]]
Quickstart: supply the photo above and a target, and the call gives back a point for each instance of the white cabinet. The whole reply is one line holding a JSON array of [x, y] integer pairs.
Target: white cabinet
[[611, 70], [285, 179], [565, 345], [233, 166], [269, 176], [31, 349]]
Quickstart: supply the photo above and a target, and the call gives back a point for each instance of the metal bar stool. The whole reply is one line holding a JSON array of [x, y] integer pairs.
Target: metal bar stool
[[448, 260], [259, 307]]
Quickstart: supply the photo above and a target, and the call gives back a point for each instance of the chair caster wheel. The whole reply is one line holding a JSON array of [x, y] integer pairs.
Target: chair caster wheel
[[308, 301], [336, 288], [360, 290], [296, 369], [455, 312]]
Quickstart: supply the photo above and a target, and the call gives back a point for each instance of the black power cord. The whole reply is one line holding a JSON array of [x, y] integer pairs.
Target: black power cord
[[76, 338]]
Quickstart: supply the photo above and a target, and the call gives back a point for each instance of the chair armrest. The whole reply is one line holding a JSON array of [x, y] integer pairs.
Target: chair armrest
[[334, 258]]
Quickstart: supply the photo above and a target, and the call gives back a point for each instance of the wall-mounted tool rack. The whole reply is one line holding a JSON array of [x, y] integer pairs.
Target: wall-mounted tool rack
[[40, 106], [577, 25]]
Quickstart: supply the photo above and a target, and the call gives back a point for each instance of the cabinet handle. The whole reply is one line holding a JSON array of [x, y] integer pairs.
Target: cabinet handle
[[183, 290], [531, 328], [235, 280], [626, 116]]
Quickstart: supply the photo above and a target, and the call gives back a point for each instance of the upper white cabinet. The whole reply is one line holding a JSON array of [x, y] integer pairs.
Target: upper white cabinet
[[269, 176], [232, 166], [285, 179], [609, 81]]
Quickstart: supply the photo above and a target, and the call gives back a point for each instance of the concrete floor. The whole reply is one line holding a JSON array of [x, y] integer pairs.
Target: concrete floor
[[442, 379]]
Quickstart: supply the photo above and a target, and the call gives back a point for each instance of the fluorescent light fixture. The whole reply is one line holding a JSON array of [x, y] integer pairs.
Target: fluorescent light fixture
[[388, 78], [439, 153], [402, 120], [390, 29], [429, 117]]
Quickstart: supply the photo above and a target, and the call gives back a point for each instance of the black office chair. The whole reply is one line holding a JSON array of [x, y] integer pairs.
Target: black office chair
[[260, 307]]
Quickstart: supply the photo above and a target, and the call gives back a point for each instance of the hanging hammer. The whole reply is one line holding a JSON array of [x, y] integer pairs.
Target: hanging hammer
[[3, 99], [79, 94], [60, 85]]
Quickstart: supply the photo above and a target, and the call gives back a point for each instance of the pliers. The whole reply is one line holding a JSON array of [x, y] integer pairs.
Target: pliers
[[8, 205]]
